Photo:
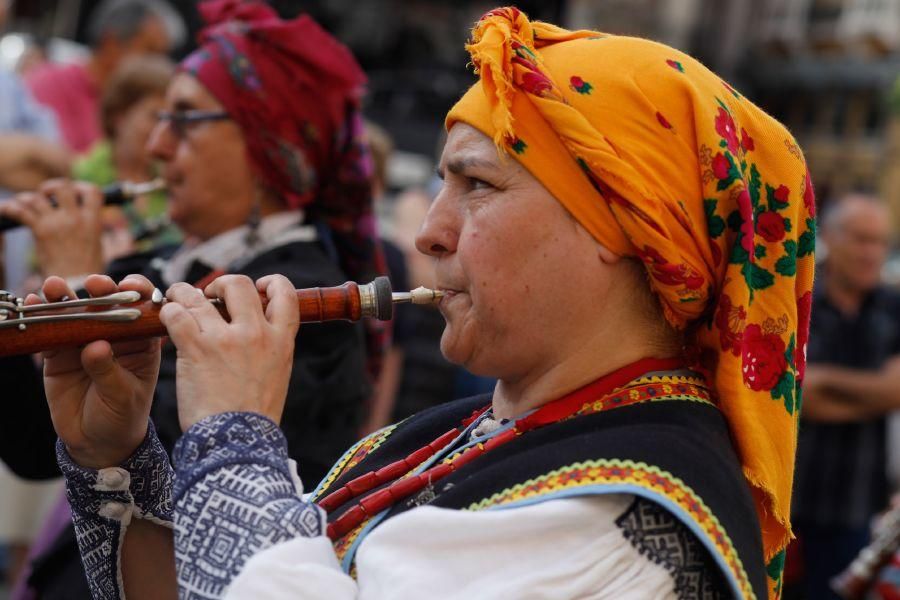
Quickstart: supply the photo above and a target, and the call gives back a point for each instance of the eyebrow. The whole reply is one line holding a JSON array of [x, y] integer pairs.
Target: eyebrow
[[459, 165]]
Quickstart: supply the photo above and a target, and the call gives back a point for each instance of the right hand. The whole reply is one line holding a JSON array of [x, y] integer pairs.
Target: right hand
[[100, 395], [240, 365], [65, 219]]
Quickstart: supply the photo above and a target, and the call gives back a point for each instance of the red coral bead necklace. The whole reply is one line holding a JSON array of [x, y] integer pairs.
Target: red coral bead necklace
[[402, 487]]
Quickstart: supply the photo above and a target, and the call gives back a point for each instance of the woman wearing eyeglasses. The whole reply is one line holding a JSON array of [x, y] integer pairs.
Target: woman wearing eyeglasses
[[260, 146], [130, 101]]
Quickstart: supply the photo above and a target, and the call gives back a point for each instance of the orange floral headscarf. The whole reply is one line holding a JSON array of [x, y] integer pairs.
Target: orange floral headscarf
[[659, 158]]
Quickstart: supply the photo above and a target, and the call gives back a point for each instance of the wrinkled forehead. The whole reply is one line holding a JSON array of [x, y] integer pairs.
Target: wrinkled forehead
[[468, 148]]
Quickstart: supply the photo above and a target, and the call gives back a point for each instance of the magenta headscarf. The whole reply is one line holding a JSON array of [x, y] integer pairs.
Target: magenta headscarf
[[295, 92]]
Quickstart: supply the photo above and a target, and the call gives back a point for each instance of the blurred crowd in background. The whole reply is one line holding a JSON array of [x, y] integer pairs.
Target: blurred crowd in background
[[81, 82]]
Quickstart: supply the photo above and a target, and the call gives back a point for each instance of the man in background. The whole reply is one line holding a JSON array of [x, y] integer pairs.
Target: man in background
[[851, 385], [118, 29]]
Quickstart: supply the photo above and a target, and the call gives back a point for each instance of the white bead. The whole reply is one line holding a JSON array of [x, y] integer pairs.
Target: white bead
[[113, 510], [113, 479]]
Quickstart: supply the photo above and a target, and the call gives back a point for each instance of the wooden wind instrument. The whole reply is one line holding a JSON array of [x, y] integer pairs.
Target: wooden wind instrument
[[115, 194], [126, 316]]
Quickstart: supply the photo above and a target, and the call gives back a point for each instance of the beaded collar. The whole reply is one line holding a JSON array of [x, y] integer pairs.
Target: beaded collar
[[410, 476]]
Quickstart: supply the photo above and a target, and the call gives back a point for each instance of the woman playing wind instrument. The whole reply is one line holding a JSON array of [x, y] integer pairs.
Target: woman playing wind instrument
[[626, 243], [261, 149]]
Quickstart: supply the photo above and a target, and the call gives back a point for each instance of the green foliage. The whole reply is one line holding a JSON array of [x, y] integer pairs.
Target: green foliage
[[774, 202], [760, 278], [785, 389], [734, 220], [738, 254], [754, 186], [714, 222], [776, 566], [807, 239], [733, 172], [787, 264], [789, 353]]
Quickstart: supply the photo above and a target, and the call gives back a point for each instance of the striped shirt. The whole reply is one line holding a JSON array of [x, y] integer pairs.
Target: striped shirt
[[841, 478]]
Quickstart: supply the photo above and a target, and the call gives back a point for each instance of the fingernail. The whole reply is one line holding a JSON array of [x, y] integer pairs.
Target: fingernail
[[64, 298]]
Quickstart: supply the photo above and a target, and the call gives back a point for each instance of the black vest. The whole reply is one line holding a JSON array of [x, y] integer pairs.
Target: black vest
[[676, 453]]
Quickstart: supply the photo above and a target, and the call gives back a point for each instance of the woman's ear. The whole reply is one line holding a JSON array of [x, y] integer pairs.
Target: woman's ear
[[607, 256]]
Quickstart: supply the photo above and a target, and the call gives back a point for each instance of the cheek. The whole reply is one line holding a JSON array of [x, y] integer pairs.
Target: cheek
[[210, 166], [495, 273], [510, 257], [232, 172], [487, 254]]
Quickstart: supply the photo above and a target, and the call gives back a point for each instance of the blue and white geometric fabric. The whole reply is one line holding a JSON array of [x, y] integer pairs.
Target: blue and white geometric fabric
[[236, 493], [103, 503]]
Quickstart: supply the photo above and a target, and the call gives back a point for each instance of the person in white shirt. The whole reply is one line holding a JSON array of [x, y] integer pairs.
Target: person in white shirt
[[255, 194], [606, 251]]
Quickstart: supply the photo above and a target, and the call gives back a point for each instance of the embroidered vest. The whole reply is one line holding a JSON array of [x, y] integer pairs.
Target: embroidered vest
[[663, 440]]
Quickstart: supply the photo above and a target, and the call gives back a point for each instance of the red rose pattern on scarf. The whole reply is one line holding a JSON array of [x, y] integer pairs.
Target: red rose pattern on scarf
[[747, 266], [663, 121], [763, 358], [532, 79], [768, 363], [579, 85], [725, 128], [730, 320]]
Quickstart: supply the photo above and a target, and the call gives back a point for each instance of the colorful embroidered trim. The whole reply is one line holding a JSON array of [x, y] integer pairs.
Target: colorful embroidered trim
[[353, 457], [669, 386], [652, 389], [344, 544], [612, 471]]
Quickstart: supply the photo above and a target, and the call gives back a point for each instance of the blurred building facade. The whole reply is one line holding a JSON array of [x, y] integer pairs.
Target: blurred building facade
[[826, 68], [823, 67]]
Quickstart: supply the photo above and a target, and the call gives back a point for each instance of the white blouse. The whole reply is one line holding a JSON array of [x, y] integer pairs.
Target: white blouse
[[566, 548]]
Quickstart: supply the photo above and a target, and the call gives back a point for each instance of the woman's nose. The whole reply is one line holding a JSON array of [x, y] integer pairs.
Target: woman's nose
[[440, 229], [162, 141]]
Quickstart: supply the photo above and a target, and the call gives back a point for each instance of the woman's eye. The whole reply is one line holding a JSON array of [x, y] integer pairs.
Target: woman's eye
[[479, 184]]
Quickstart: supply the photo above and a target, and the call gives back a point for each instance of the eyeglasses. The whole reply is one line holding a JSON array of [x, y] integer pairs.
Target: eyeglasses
[[182, 120]]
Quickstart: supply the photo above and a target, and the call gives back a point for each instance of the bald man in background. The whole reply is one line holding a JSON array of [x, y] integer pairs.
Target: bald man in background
[[852, 384]]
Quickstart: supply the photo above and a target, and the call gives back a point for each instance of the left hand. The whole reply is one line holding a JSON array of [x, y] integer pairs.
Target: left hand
[[244, 365], [100, 395]]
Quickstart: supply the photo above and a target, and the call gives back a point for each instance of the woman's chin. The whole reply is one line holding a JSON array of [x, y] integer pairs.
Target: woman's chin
[[448, 350], [464, 355], [453, 348]]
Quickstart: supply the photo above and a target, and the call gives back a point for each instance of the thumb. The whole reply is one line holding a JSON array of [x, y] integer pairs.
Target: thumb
[[103, 369]]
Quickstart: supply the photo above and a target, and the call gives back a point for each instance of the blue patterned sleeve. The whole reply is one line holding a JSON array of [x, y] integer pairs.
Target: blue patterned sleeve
[[236, 494], [104, 502]]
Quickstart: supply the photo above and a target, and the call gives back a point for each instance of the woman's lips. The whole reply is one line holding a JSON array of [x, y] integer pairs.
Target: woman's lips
[[449, 294]]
